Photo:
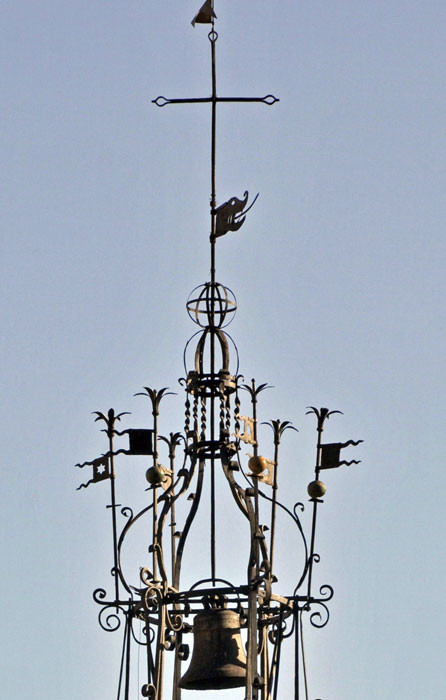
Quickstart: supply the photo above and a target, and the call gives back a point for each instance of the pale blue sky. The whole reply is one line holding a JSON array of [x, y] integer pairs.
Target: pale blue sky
[[339, 274]]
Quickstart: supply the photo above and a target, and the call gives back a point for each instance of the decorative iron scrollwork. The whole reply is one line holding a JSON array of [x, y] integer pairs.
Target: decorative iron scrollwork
[[211, 454]]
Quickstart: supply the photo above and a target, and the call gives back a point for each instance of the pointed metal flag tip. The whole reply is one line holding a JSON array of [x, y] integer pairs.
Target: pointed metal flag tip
[[205, 14]]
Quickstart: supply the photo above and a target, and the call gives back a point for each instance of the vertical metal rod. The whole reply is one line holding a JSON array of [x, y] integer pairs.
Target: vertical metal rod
[[172, 507], [121, 668], [265, 665], [271, 673], [304, 666], [296, 651], [155, 490], [212, 38], [254, 415], [160, 652], [274, 499], [253, 574], [277, 669], [127, 656], [113, 509], [150, 663], [320, 427], [251, 661], [154, 530], [213, 518], [275, 663], [311, 555], [176, 690], [255, 479]]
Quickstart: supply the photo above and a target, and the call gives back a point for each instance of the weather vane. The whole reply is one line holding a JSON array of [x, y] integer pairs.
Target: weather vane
[[230, 215], [229, 632]]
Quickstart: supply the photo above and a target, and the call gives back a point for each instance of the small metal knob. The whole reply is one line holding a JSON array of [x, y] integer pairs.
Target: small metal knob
[[316, 489], [257, 464]]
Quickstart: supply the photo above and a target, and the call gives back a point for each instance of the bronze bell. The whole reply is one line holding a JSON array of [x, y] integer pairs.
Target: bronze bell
[[218, 659]]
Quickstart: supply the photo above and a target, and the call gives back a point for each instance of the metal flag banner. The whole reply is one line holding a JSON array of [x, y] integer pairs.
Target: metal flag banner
[[205, 14], [140, 443], [101, 470], [331, 454]]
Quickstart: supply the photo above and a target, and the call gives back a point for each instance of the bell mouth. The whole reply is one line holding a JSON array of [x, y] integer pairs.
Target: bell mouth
[[218, 660], [215, 683]]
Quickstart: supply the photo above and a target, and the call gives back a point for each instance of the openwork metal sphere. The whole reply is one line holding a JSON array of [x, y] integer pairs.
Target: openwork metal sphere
[[211, 305]]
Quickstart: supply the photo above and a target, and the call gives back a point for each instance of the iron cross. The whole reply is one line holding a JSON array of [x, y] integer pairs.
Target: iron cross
[[162, 101]]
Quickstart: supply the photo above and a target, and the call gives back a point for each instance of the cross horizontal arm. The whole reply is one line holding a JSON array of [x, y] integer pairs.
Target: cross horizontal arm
[[267, 100], [162, 101]]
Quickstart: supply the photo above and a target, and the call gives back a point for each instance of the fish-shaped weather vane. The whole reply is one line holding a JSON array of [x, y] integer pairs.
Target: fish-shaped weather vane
[[231, 215]]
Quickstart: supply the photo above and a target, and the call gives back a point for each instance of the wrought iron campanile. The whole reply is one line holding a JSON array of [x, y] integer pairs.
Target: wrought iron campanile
[[217, 634]]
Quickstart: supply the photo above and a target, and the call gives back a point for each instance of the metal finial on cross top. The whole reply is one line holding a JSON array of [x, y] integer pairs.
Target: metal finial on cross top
[[230, 215]]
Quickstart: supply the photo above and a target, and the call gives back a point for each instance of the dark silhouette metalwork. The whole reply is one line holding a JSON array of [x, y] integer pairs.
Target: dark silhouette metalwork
[[239, 627], [231, 215]]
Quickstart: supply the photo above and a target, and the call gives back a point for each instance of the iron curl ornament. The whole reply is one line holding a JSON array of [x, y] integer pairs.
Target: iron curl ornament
[[231, 632]]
